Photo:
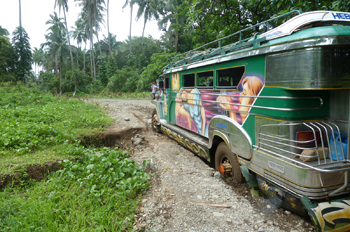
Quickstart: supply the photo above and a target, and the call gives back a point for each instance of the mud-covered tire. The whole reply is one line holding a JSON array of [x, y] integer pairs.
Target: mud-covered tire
[[155, 127], [222, 154]]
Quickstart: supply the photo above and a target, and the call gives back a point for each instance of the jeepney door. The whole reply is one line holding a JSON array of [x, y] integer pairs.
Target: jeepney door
[[167, 96]]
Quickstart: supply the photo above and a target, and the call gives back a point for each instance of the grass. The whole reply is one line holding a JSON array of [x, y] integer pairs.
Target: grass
[[93, 193], [36, 127], [97, 190]]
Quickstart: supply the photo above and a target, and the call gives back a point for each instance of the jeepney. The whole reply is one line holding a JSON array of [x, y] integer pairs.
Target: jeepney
[[271, 110]]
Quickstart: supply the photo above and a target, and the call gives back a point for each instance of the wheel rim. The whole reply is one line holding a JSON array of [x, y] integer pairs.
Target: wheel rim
[[154, 121], [225, 166]]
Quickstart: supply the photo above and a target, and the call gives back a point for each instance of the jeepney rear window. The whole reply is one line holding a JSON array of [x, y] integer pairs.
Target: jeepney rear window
[[167, 83], [229, 78], [188, 80], [319, 67], [205, 79]]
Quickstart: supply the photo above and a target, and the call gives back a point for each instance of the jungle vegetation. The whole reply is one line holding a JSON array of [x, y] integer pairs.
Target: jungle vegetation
[[101, 63]]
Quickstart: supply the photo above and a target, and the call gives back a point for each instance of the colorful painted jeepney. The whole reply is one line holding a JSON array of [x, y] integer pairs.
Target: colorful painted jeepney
[[272, 110]]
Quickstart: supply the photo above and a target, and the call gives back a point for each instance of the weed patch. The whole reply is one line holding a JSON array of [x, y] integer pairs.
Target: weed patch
[[36, 127], [100, 191]]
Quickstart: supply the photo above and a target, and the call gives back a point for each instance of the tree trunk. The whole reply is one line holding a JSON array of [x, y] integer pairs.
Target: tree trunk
[[176, 40], [20, 14], [109, 36], [70, 47], [93, 58], [99, 45], [143, 32], [130, 26], [176, 34], [60, 80], [84, 56], [56, 63], [92, 72], [70, 51]]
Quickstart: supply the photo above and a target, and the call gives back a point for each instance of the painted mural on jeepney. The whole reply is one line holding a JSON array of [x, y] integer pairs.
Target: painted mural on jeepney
[[195, 107], [175, 81], [333, 216]]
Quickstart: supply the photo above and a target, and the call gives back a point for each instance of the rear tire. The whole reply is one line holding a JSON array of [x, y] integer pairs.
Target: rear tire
[[223, 155], [155, 122]]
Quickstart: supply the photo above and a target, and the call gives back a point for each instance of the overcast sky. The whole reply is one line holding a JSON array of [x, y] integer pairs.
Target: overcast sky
[[36, 12]]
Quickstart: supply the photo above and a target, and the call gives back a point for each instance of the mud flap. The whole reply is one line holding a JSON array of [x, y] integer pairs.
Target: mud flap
[[331, 216], [251, 181]]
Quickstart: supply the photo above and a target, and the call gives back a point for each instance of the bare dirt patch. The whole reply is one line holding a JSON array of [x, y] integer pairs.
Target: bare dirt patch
[[36, 172]]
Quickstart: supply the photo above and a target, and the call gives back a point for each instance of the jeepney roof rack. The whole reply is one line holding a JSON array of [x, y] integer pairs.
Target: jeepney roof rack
[[196, 54], [287, 27]]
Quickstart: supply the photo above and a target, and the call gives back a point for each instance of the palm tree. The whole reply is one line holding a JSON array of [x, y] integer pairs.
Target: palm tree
[[149, 9], [111, 48], [131, 3], [92, 16], [4, 32], [56, 44], [38, 58], [170, 16], [63, 4], [80, 35], [109, 37]]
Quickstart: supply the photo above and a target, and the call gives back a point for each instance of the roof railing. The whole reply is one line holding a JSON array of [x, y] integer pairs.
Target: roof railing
[[178, 57]]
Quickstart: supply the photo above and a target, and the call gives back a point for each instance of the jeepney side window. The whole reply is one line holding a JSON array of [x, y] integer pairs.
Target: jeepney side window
[[167, 83], [161, 84], [188, 81], [205, 79], [230, 78]]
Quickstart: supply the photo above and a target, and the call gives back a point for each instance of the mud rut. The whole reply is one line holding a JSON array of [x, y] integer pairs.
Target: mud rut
[[184, 194]]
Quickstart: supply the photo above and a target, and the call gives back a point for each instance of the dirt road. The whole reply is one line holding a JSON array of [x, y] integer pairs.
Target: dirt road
[[184, 194]]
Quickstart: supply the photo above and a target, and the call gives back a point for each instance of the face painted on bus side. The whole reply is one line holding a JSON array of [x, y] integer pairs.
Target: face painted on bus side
[[251, 87]]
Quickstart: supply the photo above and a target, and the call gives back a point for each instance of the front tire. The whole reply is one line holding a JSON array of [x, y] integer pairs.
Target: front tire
[[155, 123], [227, 163]]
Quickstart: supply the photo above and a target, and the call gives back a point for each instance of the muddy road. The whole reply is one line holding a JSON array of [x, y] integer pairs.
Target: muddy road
[[185, 195]]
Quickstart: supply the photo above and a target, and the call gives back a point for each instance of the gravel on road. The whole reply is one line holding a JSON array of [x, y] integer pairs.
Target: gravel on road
[[186, 194]]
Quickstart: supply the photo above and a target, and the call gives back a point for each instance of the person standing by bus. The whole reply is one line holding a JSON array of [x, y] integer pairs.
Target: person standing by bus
[[154, 90]]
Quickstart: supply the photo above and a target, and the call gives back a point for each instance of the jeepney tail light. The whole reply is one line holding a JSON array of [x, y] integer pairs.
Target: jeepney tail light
[[308, 136]]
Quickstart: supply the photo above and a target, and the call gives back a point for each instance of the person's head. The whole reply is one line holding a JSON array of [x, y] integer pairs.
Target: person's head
[[251, 87], [151, 83]]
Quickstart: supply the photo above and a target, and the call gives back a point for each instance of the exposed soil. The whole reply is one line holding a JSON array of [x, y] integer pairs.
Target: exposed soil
[[36, 172], [184, 194]]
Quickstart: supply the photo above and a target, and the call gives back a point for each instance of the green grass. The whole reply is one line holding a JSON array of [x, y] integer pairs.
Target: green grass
[[93, 193], [36, 128]]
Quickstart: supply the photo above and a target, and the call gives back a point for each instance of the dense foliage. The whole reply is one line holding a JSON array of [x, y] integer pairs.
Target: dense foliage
[[6, 60]]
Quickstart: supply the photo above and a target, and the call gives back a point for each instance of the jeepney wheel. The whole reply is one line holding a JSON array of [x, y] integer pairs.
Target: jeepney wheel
[[227, 163], [155, 122]]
